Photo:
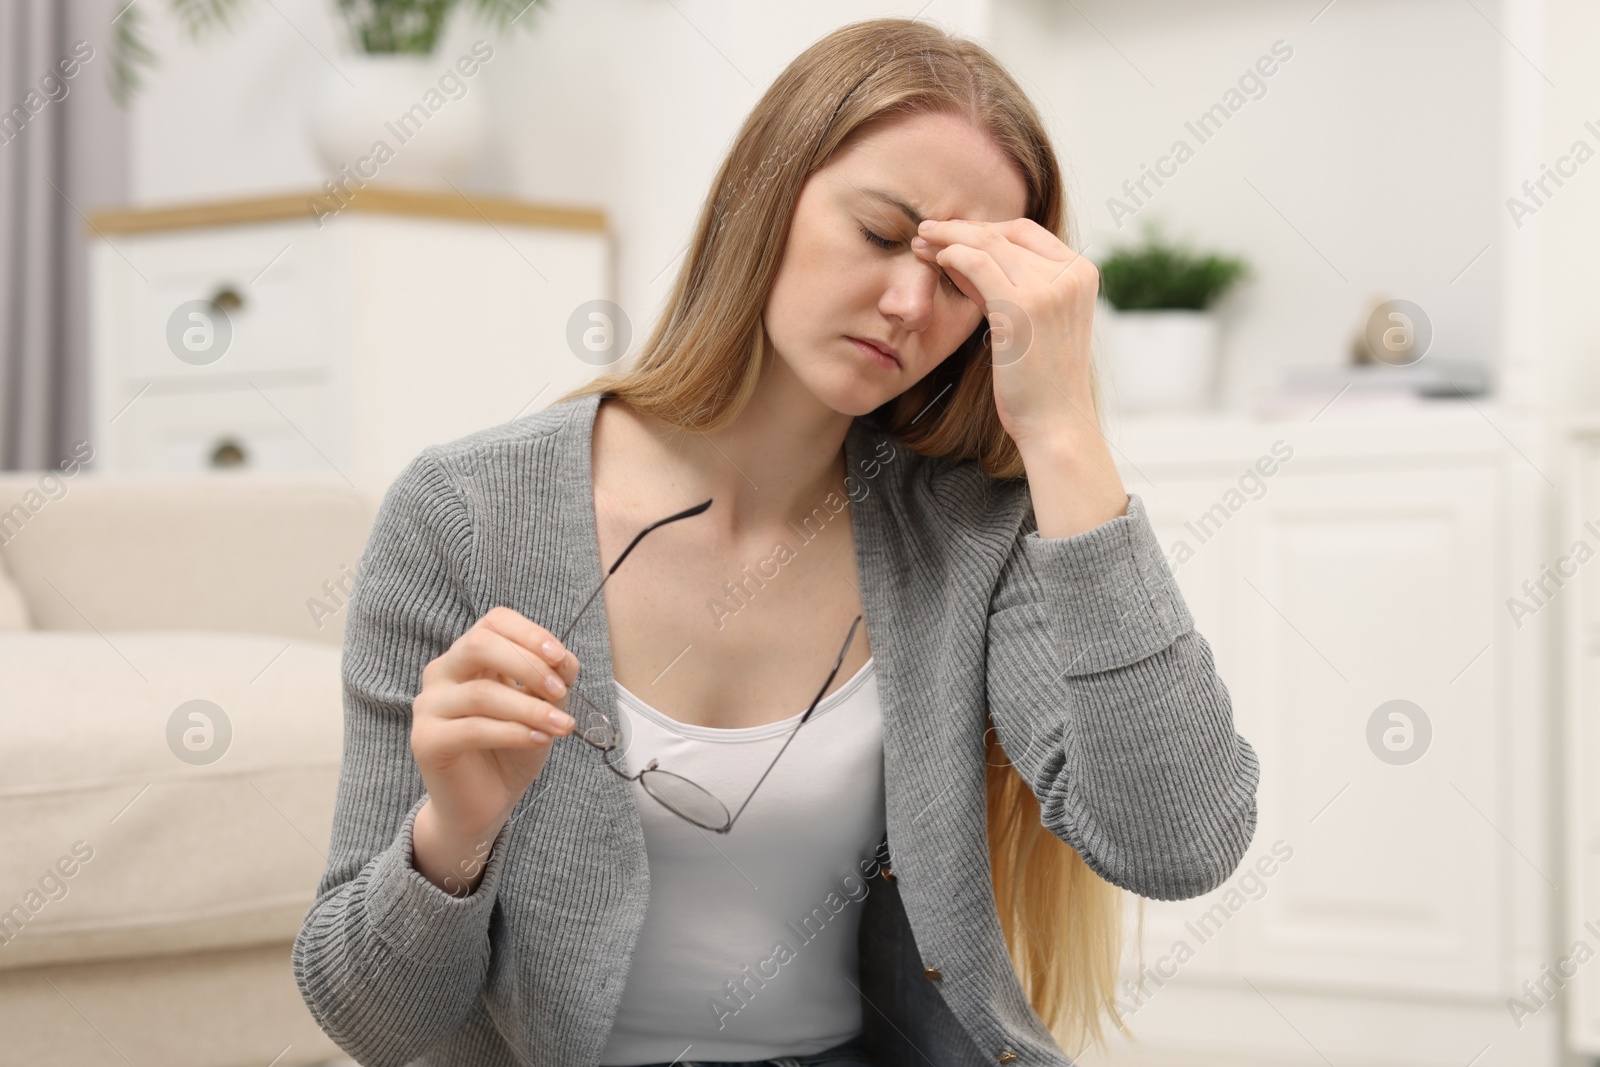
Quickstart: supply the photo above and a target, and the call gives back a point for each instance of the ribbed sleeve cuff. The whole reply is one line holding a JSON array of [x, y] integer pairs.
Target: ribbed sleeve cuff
[[1110, 597], [419, 920]]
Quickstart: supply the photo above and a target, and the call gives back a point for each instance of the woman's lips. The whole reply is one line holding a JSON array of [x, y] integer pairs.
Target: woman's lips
[[875, 354]]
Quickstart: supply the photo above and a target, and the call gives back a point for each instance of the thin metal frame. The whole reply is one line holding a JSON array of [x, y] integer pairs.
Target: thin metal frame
[[616, 735]]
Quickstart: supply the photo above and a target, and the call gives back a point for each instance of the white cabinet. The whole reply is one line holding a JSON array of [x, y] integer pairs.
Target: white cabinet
[[1407, 877], [1370, 587], [1574, 575], [244, 334]]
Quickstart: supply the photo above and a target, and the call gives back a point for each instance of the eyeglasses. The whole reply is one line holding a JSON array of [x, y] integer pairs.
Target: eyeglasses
[[676, 793]]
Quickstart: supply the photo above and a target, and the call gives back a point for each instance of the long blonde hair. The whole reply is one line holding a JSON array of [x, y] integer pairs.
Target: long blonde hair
[[1062, 923]]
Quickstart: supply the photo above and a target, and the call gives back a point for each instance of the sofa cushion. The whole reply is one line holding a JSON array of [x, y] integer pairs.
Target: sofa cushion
[[121, 838]]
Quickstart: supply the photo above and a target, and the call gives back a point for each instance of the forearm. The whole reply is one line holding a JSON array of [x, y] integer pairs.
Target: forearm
[[1152, 774], [1071, 477], [452, 861], [1109, 702], [387, 962]]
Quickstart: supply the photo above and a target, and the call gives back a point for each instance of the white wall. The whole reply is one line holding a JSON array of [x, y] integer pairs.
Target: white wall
[[1569, 224], [1377, 141], [1380, 155]]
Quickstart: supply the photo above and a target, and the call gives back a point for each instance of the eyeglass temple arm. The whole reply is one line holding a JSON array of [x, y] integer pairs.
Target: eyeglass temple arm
[[684, 514], [815, 701]]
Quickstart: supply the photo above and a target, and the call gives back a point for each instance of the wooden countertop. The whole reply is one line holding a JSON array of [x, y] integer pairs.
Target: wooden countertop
[[422, 203]]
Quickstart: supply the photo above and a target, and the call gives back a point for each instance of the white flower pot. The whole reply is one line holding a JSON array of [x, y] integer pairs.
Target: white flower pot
[[1163, 360], [432, 137]]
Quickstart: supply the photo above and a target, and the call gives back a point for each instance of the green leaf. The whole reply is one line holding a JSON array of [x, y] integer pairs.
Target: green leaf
[[1161, 274], [380, 26], [128, 54]]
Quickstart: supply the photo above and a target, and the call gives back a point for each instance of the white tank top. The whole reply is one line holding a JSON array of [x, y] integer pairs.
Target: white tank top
[[748, 949]]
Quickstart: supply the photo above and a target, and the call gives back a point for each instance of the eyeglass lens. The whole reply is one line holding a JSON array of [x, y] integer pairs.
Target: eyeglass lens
[[675, 791]]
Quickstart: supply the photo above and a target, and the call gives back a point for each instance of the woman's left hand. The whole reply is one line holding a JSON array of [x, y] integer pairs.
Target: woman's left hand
[[1038, 295]]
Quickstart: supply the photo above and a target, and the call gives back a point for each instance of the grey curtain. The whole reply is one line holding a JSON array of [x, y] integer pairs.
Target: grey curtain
[[63, 154]]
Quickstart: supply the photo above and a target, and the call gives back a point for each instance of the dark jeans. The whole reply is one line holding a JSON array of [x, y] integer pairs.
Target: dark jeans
[[852, 1053]]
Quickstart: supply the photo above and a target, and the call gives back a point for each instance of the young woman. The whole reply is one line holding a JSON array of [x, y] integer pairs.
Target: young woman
[[869, 526]]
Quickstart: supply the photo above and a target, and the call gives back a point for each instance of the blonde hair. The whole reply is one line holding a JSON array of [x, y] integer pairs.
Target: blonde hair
[[700, 365]]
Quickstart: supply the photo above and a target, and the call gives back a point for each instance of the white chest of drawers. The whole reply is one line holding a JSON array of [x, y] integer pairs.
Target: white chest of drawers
[[347, 343]]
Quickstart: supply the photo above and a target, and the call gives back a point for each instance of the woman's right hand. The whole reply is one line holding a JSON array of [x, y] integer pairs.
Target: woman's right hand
[[478, 739]]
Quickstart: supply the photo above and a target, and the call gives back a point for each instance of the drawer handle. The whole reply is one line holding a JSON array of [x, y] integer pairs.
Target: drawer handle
[[228, 453], [227, 298]]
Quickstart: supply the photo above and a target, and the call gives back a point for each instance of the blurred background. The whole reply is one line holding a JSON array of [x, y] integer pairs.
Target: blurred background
[[1349, 356]]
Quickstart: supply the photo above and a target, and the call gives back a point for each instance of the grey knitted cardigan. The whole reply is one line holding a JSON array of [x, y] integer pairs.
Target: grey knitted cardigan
[[1080, 649]]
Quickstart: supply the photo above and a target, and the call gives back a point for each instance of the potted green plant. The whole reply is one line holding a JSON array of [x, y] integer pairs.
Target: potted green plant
[[373, 97], [1162, 330]]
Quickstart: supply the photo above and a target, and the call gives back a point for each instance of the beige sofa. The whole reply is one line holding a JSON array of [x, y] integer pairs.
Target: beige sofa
[[154, 871]]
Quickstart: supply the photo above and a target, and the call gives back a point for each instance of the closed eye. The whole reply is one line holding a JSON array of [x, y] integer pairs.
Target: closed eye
[[884, 242]]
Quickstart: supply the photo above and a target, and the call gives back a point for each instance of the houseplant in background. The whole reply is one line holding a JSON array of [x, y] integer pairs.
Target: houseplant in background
[[387, 68], [1162, 331]]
